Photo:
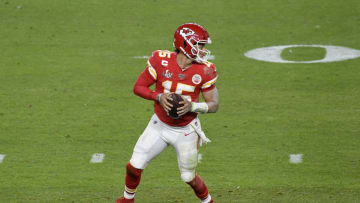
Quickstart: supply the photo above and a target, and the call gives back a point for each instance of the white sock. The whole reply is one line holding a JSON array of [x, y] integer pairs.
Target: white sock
[[207, 200], [129, 195]]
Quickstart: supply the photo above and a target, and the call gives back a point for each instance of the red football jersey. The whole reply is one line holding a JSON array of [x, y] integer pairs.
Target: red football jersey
[[169, 77]]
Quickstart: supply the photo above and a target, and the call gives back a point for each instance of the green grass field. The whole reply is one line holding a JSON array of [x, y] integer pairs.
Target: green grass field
[[66, 77]]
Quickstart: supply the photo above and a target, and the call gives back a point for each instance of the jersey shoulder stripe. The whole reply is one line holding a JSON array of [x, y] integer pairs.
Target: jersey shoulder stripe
[[209, 83], [152, 71]]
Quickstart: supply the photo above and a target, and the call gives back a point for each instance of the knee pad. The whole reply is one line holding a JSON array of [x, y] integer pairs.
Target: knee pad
[[187, 176], [138, 160]]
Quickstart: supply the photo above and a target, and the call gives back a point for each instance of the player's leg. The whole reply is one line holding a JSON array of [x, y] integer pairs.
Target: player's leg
[[200, 189], [186, 148], [187, 152], [132, 180], [148, 146]]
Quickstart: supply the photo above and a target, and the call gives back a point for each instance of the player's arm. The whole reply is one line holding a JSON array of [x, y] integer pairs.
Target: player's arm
[[210, 105], [141, 87], [212, 100]]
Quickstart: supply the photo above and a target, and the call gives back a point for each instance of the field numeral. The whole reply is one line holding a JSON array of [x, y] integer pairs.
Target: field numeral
[[2, 157], [97, 158]]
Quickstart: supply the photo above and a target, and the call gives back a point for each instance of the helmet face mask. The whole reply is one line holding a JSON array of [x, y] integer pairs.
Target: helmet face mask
[[202, 54], [190, 39]]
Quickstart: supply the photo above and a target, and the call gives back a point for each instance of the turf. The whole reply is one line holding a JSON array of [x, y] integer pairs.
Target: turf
[[66, 77]]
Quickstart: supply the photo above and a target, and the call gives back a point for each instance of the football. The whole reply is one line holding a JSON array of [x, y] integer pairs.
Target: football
[[176, 98]]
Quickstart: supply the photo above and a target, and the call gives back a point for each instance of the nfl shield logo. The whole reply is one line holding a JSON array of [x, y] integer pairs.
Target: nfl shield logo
[[181, 76]]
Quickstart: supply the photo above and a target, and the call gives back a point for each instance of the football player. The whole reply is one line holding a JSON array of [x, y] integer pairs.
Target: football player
[[188, 73]]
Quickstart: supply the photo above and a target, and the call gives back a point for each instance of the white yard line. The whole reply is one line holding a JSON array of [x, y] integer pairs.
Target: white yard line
[[140, 57], [295, 158], [97, 158], [199, 157], [2, 157]]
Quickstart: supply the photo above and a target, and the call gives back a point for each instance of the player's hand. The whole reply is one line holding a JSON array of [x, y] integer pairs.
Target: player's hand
[[184, 109], [164, 101]]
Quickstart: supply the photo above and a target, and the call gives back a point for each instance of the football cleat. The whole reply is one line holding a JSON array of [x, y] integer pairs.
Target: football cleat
[[124, 200]]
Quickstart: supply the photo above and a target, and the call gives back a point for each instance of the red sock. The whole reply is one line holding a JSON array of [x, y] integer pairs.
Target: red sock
[[199, 187], [132, 178]]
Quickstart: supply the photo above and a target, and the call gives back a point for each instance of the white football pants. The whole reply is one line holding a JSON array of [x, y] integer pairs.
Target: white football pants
[[158, 135]]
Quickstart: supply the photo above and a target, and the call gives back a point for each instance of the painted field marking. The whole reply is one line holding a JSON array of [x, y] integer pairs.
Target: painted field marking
[[2, 157], [295, 158], [211, 57], [273, 53], [140, 57], [97, 158], [200, 156]]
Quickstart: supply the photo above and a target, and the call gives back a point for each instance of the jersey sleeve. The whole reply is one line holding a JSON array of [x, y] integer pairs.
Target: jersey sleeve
[[146, 79], [210, 77], [152, 64], [141, 87]]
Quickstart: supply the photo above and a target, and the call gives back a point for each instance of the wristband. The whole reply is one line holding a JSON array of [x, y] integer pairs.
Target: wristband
[[199, 107], [158, 97]]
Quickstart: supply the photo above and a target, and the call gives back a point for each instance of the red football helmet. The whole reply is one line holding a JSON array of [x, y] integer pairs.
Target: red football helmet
[[187, 39]]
